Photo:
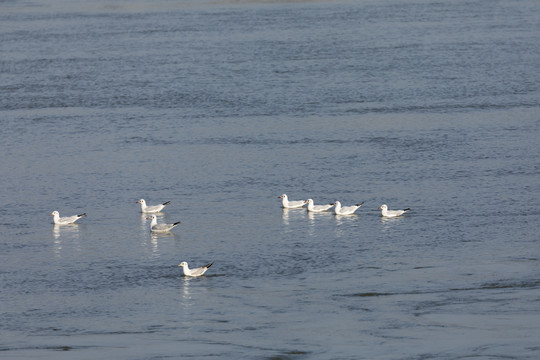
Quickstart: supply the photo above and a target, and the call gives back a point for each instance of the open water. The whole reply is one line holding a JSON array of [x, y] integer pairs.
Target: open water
[[220, 107]]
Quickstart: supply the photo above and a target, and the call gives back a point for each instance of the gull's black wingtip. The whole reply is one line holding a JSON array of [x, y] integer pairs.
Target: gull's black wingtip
[[176, 223], [207, 266], [166, 203], [82, 215]]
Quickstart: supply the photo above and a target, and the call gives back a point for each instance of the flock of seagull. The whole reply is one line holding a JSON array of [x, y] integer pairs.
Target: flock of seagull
[[286, 203], [154, 226], [338, 209]]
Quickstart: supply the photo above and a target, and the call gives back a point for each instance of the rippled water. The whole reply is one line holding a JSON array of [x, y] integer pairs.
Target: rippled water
[[221, 106]]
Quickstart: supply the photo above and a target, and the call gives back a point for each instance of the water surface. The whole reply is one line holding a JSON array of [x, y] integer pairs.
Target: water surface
[[221, 106]]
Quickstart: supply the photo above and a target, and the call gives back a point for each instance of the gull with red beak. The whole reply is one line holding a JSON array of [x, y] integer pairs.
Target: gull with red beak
[[317, 208], [65, 220], [391, 213], [151, 208], [295, 204], [155, 227], [194, 272], [346, 210]]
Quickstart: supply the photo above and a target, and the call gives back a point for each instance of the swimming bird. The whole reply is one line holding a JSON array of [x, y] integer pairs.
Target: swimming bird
[[194, 272], [391, 213], [291, 204], [151, 208], [65, 220], [346, 210], [317, 208], [154, 226]]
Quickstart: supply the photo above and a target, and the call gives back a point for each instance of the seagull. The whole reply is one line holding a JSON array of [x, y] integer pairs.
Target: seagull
[[347, 210], [317, 208], [151, 208], [154, 226], [290, 204], [391, 213], [65, 220], [194, 272]]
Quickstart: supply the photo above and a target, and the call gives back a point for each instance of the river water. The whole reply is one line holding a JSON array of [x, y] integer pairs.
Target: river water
[[220, 107]]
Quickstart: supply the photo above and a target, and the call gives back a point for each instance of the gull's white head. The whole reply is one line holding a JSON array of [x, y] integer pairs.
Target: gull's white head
[[282, 196], [309, 201], [383, 207], [55, 213], [141, 202], [337, 203], [183, 263], [151, 217]]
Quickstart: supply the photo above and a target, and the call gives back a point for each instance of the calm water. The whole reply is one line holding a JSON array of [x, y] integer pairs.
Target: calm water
[[221, 106]]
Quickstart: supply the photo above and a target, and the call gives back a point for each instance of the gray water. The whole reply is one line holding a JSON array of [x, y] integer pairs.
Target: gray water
[[220, 107]]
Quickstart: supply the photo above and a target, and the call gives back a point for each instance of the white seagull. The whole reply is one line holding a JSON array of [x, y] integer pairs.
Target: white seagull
[[194, 272], [317, 208], [65, 220], [391, 213], [151, 208], [291, 204], [346, 210], [154, 226]]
